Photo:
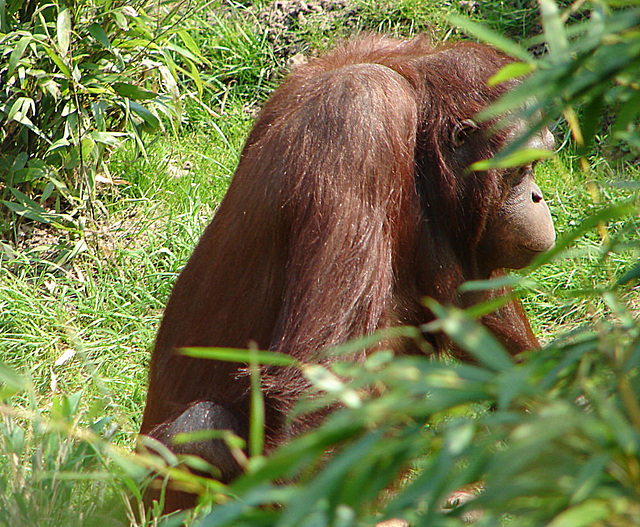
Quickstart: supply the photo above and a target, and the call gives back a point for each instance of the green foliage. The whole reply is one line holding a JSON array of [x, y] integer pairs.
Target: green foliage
[[45, 466], [593, 63], [76, 80], [404, 17], [242, 60], [562, 441]]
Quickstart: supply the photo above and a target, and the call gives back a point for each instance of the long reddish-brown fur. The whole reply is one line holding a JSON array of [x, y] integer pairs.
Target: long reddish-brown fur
[[344, 211]]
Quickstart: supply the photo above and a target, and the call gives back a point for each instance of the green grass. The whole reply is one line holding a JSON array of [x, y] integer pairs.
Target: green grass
[[101, 310], [596, 260]]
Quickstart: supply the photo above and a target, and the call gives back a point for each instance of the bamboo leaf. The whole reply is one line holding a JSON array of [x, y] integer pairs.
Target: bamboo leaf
[[17, 53], [271, 358], [184, 52], [590, 512], [631, 274], [500, 282], [96, 31], [26, 212], [58, 61], [151, 122], [491, 37], [554, 31], [256, 423], [627, 113], [191, 45], [132, 92], [521, 157], [11, 381], [64, 31], [591, 115], [195, 76], [512, 71], [106, 138], [470, 335]]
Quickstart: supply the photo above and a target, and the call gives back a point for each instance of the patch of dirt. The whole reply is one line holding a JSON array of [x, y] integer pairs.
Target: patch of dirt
[[284, 20], [289, 15], [45, 243], [33, 235]]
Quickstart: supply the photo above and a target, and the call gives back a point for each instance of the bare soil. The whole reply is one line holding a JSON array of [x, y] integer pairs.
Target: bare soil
[[284, 20]]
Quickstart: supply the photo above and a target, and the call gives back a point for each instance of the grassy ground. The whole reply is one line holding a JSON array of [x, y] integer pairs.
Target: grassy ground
[[562, 300], [86, 327]]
